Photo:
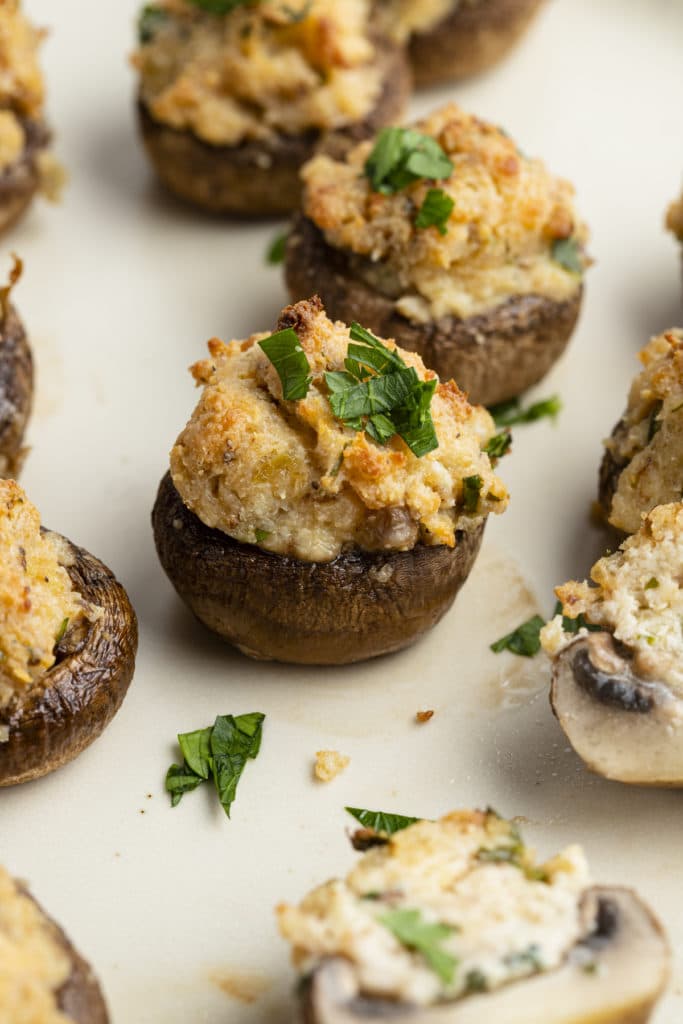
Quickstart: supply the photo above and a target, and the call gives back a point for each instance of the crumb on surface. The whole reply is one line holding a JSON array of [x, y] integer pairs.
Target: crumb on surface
[[329, 764], [424, 716]]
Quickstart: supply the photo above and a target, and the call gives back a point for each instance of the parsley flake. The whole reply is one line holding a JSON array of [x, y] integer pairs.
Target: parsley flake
[[424, 938], [289, 359], [471, 490], [525, 640], [277, 249], [380, 821], [511, 413], [150, 19], [220, 6], [499, 445], [402, 156], [435, 211], [568, 253]]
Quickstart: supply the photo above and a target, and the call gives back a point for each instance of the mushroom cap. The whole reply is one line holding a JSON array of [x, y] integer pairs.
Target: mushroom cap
[[628, 948], [16, 388], [492, 356], [20, 181], [359, 605], [618, 724], [54, 720]]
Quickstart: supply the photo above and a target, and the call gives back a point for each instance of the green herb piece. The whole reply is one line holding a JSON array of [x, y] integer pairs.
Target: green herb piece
[[652, 583], [277, 249], [499, 445], [297, 16], [196, 749], [655, 425], [525, 640], [61, 632], [574, 625], [261, 535], [402, 156], [180, 779], [424, 938], [220, 6], [289, 359], [567, 252], [435, 211], [471, 489], [529, 957], [510, 413], [151, 18], [476, 981], [380, 821]]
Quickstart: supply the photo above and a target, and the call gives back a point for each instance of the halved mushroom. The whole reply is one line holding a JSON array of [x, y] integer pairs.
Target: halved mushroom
[[16, 381], [45, 956], [48, 721], [623, 726], [613, 976], [359, 605]]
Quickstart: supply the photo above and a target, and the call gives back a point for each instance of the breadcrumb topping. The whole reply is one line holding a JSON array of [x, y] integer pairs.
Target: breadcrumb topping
[[508, 212], [296, 480], [33, 967], [329, 764], [261, 70], [648, 441], [635, 594], [505, 917], [21, 80]]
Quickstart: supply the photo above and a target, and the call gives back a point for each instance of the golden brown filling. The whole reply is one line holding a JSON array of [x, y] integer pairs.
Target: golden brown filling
[[293, 478], [260, 71], [21, 80], [499, 240], [33, 966]]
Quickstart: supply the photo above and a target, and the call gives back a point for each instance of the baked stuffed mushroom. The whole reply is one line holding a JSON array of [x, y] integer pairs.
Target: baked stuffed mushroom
[[26, 166], [643, 462], [453, 921], [16, 380], [43, 979], [448, 239], [452, 39], [328, 497], [68, 638], [617, 685], [234, 97]]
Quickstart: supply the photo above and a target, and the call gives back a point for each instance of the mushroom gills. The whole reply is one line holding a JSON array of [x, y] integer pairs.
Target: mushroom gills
[[614, 976]]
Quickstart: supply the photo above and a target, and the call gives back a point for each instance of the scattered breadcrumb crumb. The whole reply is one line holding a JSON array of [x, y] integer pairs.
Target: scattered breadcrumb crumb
[[329, 764], [424, 716]]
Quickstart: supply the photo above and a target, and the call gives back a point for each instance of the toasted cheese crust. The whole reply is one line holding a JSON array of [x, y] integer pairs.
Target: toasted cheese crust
[[37, 599], [33, 966], [635, 595], [674, 218], [508, 212], [21, 80], [292, 478], [648, 441], [261, 70], [505, 917]]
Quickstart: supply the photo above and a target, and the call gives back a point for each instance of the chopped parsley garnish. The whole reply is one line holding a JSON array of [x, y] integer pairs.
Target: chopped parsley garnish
[[567, 252], [529, 957], [424, 938], [62, 631], [525, 640], [149, 21], [277, 249], [510, 413], [574, 625], [220, 6], [402, 156], [435, 211], [476, 981], [471, 489], [221, 752], [289, 359], [652, 583], [499, 445], [380, 821]]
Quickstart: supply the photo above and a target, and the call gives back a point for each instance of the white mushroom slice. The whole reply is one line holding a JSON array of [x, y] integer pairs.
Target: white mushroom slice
[[614, 976], [624, 727]]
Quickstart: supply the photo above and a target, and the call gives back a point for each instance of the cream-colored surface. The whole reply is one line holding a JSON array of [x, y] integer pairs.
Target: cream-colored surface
[[296, 480], [637, 597], [33, 966], [508, 210], [498, 911], [650, 438], [36, 595], [260, 71]]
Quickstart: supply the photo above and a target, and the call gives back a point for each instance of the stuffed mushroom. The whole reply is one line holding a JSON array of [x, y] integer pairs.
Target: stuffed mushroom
[[643, 462], [674, 218], [26, 165], [448, 239], [68, 638], [452, 39], [617, 687], [453, 921], [43, 979], [16, 380], [235, 97], [328, 497]]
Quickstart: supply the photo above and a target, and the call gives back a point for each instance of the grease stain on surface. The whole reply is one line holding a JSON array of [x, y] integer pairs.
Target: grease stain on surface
[[244, 986]]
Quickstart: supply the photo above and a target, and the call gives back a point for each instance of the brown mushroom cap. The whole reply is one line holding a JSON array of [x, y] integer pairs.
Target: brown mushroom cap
[[360, 605], [628, 948], [20, 181], [493, 356], [617, 723], [262, 178], [16, 391], [470, 40], [57, 718]]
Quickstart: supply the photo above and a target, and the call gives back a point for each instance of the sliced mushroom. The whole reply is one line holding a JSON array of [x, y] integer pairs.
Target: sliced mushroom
[[614, 976], [66, 710], [493, 356], [624, 727], [360, 605], [16, 391]]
